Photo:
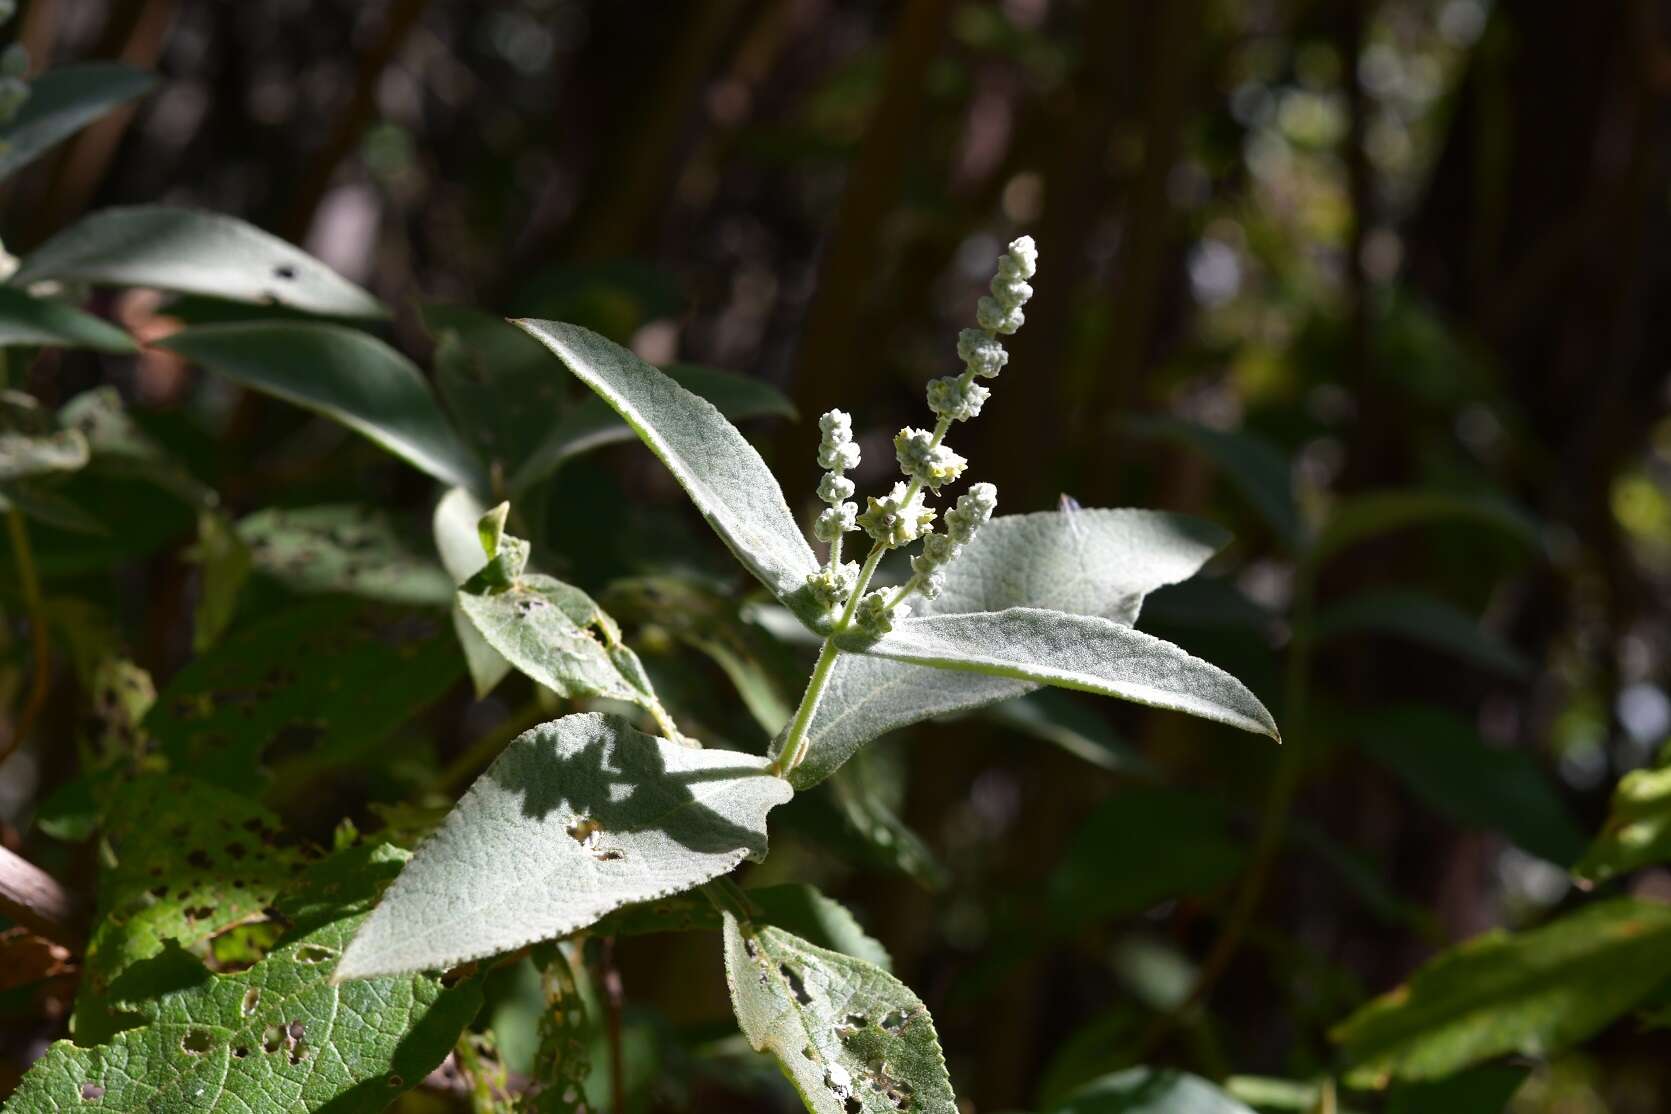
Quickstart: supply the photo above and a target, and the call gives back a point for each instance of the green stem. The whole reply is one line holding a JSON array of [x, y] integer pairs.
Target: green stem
[[795, 742], [867, 571], [905, 590]]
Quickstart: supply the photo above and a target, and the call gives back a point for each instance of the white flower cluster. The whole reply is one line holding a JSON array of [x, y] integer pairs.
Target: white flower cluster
[[972, 511], [14, 66], [837, 452], [898, 518], [921, 459]]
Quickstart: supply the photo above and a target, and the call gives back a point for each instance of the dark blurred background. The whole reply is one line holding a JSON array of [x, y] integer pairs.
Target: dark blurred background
[[1292, 252]]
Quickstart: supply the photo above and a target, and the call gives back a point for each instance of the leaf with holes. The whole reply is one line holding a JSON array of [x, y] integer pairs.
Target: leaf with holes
[[1534, 993], [52, 324], [323, 683], [345, 375], [190, 251], [575, 819], [276, 1038], [1638, 828], [718, 469], [850, 1036], [564, 1056], [61, 102], [340, 548]]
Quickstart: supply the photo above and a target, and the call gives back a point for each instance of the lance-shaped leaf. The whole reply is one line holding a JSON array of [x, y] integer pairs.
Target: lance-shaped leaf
[[593, 423], [276, 1038], [342, 548], [1088, 562], [1638, 829], [850, 1036], [50, 323], [1084, 652], [1533, 992], [346, 375], [1150, 1091], [575, 819], [194, 252], [63, 101], [1364, 516], [1426, 619], [793, 906], [1254, 465], [716, 466]]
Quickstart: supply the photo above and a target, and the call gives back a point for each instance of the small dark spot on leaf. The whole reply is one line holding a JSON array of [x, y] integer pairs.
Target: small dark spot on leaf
[[796, 986], [284, 271], [252, 999], [159, 892], [896, 1020], [272, 1038], [396, 1081], [199, 859], [236, 850], [91, 1092], [853, 1105], [295, 1030], [197, 1041], [312, 953], [240, 1052]]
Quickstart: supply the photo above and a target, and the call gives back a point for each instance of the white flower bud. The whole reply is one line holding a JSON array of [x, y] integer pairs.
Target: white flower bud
[[836, 426], [1025, 255], [839, 458], [973, 510], [996, 318], [893, 520], [938, 549], [922, 460], [932, 584], [835, 521], [1011, 293], [833, 488], [951, 398], [984, 355], [832, 587]]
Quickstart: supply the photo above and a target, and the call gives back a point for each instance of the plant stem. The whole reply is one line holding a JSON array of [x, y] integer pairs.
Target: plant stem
[[35, 900], [790, 755], [867, 571], [32, 602]]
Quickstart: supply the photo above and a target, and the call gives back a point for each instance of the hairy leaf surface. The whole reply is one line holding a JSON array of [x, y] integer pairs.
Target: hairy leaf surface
[[849, 1036], [345, 375], [61, 102], [194, 252], [44, 321], [716, 466], [1534, 993], [575, 819]]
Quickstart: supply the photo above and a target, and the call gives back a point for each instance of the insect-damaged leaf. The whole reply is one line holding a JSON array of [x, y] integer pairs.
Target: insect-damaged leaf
[[345, 375], [1533, 992], [276, 1038], [194, 252], [575, 819], [850, 1036], [718, 469], [61, 102], [340, 548], [43, 321], [1089, 562]]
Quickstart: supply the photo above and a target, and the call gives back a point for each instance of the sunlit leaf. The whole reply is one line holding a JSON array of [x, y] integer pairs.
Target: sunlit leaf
[[575, 819], [1444, 760], [348, 376], [61, 102], [48, 323], [460, 549], [1533, 993], [1257, 468], [1638, 829], [1425, 619], [718, 469], [849, 1036], [793, 906], [194, 252], [342, 548]]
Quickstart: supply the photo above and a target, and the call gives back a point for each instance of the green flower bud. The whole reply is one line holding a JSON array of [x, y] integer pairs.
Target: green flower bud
[[835, 521], [833, 488], [983, 355], [973, 510], [924, 461], [873, 615], [951, 398], [938, 549], [832, 587], [894, 520]]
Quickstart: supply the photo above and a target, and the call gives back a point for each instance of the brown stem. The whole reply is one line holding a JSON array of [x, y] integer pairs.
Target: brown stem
[[41, 681], [34, 899], [613, 996]]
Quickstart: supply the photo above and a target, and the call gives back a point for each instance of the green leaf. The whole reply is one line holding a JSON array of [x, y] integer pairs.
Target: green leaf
[[1108, 562], [575, 819], [194, 252], [1062, 720], [792, 906], [1255, 466], [862, 797], [460, 549], [26, 455], [1484, 1090], [61, 102], [224, 563], [118, 444], [593, 424], [348, 376], [1150, 1091], [496, 382], [328, 680], [349, 549], [1424, 619], [1533, 993], [50, 323], [276, 1038], [1359, 517], [1446, 763], [849, 1036], [191, 860], [1638, 829], [718, 469], [1084, 652], [567, 1031], [1086, 562]]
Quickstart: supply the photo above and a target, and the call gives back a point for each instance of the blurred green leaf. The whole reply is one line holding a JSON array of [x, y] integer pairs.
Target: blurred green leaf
[[118, 444], [1638, 828], [1150, 1091], [349, 377], [1484, 1090], [1533, 993], [1425, 619], [1058, 718], [1356, 518], [224, 563], [49, 323], [61, 102], [497, 383], [1446, 763], [194, 252], [342, 548], [1257, 468], [849, 1036], [575, 819]]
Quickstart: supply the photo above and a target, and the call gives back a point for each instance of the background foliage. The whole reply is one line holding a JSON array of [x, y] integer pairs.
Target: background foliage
[[1377, 285]]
